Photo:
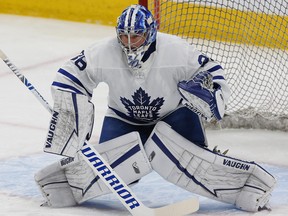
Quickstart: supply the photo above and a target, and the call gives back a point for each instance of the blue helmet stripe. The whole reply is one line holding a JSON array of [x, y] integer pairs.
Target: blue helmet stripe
[[127, 22], [133, 16]]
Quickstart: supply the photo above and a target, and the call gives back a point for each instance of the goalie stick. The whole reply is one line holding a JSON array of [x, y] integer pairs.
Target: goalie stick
[[107, 174]]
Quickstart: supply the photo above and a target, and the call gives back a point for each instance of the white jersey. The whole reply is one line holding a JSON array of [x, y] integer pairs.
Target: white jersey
[[141, 97]]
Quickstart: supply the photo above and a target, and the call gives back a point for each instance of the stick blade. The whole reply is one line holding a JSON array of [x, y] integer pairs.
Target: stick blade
[[180, 208], [2, 55], [176, 209]]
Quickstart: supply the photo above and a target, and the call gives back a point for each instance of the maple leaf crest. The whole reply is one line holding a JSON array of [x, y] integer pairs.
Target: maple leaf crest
[[141, 108]]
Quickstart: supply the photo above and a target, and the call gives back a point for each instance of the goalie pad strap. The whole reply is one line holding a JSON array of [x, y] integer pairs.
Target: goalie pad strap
[[198, 170], [70, 125]]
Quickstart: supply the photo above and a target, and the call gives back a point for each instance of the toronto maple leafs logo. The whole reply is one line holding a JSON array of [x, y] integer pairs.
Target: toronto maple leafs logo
[[141, 108]]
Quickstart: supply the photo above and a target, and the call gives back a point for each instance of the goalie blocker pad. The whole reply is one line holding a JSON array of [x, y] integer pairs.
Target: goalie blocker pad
[[244, 184], [70, 182], [71, 123]]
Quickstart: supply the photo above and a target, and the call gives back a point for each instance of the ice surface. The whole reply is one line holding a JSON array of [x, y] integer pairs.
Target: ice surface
[[38, 47]]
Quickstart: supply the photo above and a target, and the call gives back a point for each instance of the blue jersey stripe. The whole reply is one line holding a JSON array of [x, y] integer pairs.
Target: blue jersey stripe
[[65, 86], [218, 77], [74, 79], [215, 68]]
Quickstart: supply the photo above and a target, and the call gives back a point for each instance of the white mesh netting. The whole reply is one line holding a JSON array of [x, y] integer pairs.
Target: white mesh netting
[[249, 38]]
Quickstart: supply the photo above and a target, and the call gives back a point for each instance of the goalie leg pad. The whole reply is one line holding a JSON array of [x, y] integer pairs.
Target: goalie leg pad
[[201, 171], [69, 182], [54, 186], [125, 154], [70, 125], [259, 192]]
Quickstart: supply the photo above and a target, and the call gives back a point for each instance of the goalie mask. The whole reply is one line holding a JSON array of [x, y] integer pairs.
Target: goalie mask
[[136, 31]]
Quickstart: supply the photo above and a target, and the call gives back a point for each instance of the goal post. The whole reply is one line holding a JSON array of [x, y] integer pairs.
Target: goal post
[[250, 40]]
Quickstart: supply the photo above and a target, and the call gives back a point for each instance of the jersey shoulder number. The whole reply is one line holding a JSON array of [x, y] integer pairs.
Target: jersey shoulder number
[[80, 61]]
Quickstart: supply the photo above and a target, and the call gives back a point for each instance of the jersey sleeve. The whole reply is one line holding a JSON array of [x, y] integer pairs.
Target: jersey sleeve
[[76, 76]]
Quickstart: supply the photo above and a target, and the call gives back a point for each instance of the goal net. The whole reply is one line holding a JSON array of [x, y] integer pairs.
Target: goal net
[[249, 39]]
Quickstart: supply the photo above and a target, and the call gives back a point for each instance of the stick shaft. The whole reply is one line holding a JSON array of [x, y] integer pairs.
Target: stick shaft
[[25, 81]]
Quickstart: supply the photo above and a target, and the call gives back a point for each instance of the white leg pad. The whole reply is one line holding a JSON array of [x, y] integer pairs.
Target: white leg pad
[[54, 186], [125, 154], [201, 171]]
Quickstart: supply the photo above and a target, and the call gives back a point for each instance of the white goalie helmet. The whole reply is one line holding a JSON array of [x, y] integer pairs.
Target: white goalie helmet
[[136, 31]]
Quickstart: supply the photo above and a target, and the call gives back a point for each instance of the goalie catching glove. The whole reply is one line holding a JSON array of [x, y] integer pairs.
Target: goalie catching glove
[[71, 123], [203, 96]]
